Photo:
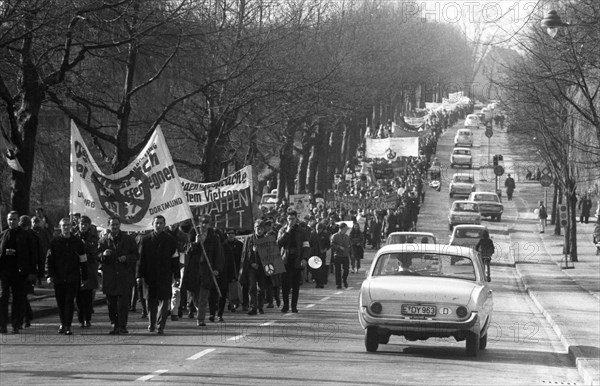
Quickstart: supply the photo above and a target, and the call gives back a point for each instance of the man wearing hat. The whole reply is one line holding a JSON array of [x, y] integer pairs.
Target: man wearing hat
[[294, 242]]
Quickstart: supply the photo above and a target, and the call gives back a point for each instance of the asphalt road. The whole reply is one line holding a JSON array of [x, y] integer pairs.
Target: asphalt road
[[321, 345]]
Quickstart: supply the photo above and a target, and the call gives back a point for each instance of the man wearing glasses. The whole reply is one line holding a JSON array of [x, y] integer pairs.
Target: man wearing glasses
[[296, 250], [158, 269]]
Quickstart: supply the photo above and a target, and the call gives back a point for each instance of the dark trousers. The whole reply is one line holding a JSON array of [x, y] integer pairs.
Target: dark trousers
[[134, 298], [341, 262], [65, 294], [324, 273], [291, 282], [84, 305], [158, 310], [118, 309], [584, 218], [256, 285], [140, 294], [245, 294], [15, 284], [216, 303]]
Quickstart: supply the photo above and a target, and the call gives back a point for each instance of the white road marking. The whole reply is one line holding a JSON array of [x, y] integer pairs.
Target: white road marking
[[268, 323], [200, 354], [325, 298], [310, 305], [339, 293], [237, 337], [150, 376]]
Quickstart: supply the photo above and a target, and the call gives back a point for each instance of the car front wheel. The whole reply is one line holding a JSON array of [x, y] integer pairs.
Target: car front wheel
[[371, 339], [483, 342], [472, 345]]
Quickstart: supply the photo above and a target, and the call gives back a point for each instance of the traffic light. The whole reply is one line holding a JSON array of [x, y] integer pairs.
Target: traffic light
[[497, 158], [562, 216]]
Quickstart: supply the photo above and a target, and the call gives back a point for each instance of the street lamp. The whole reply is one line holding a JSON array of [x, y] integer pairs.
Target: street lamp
[[552, 22]]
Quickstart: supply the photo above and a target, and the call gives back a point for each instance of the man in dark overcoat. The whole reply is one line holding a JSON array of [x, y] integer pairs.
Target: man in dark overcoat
[[118, 253], [197, 274], [158, 268]]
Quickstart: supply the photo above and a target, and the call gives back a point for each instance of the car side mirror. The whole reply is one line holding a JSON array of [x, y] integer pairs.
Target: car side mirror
[[366, 274]]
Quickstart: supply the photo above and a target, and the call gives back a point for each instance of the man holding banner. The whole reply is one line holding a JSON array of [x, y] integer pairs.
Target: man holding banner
[[204, 264], [253, 272]]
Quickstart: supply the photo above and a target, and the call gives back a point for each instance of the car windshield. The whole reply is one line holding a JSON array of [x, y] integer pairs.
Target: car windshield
[[464, 179], [468, 233], [486, 197], [410, 239], [425, 264], [465, 207], [464, 133], [462, 152]]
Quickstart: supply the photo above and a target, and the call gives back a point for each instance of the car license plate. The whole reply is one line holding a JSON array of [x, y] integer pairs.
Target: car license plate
[[413, 309]]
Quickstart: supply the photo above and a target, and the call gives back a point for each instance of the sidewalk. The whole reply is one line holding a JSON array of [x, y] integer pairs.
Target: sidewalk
[[568, 298]]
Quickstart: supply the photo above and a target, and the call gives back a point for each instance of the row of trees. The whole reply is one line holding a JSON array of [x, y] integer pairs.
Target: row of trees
[[285, 86], [553, 94]]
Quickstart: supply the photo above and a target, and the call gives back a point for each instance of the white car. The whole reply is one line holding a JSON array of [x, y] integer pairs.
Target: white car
[[268, 201], [411, 238], [489, 204], [463, 212], [416, 292], [472, 120], [462, 184], [488, 113], [466, 235], [463, 137], [461, 156]]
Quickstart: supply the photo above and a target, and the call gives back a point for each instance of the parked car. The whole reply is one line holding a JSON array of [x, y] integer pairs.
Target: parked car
[[461, 156], [472, 120], [482, 119], [466, 235], [411, 238], [463, 137], [488, 113], [419, 294], [489, 204], [461, 184], [463, 212]]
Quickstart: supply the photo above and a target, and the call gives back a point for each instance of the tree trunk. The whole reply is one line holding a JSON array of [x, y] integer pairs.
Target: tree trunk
[[315, 159], [554, 205], [21, 182], [285, 180], [303, 161], [555, 212], [24, 128], [573, 227], [344, 146]]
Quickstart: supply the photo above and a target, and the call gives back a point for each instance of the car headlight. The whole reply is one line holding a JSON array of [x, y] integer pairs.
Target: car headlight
[[376, 308], [462, 311]]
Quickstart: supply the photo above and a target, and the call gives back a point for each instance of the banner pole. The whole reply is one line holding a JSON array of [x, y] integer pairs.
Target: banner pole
[[212, 274]]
